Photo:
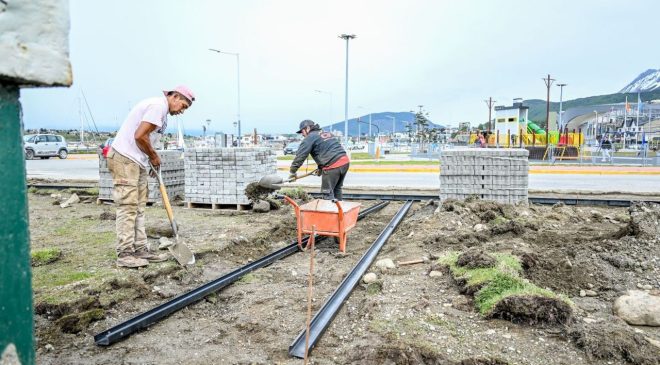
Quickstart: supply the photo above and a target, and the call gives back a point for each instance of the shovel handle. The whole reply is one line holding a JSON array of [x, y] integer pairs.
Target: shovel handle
[[166, 200], [303, 175]]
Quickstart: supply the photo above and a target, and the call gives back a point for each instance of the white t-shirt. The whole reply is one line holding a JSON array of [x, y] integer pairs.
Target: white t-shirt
[[152, 110]]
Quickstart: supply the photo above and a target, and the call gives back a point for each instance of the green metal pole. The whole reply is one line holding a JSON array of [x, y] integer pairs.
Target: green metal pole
[[16, 321]]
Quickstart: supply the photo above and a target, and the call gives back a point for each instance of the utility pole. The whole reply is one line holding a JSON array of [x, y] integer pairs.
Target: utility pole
[[561, 107], [548, 83], [490, 103], [346, 37]]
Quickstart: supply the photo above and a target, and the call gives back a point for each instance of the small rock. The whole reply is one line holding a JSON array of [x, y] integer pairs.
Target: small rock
[[369, 278], [490, 332], [435, 274], [506, 335], [589, 320], [480, 227], [57, 196], [524, 213], [49, 347], [164, 243], [261, 207], [647, 287], [590, 285], [294, 273], [73, 199], [638, 307], [240, 240], [583, 293], [385, 264], [653, 342], [591, 293]]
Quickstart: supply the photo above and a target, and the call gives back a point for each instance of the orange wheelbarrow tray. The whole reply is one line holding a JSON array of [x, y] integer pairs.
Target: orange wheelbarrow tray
[[328, 218]]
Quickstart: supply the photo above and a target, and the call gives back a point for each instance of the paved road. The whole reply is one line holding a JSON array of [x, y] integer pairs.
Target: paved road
[[88, 170]]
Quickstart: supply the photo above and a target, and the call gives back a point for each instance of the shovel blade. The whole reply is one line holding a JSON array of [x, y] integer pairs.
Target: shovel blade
[[273, 182], [181, 253]]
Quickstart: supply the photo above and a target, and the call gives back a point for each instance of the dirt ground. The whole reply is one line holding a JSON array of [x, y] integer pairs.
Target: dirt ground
[[406, 317]]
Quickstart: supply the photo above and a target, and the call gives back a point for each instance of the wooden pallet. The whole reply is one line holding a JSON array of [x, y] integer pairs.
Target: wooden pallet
[[218, 206]]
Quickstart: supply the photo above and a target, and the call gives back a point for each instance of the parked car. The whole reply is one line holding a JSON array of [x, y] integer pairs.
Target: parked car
[[105, 146], [291, 148], [45, 146]]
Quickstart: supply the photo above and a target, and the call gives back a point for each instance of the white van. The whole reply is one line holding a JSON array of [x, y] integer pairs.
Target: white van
[[44, 146]]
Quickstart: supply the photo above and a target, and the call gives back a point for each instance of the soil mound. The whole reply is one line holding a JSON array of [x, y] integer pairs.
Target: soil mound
[[475, 258], [533, 310], [643, 224], [410, 355], [613, 340]]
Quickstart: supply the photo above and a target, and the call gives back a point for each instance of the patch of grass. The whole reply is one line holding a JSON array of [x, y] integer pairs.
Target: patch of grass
[[58, 277], [295, 193], [291, 157], [361, 156], [37, 191], [496, 283], [247, 279], [45, 256]]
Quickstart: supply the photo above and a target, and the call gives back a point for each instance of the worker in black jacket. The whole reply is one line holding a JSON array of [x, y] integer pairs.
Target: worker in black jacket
[[329, 155]]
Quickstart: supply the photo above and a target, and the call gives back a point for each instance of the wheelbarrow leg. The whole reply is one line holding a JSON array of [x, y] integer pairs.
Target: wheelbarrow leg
[[342, 233]]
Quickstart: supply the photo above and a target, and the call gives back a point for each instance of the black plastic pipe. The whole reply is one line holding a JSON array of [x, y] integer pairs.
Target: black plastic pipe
[[327, 313], [146, 319]]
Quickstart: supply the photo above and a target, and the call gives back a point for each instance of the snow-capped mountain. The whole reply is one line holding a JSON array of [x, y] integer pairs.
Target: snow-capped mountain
[[648, 80]]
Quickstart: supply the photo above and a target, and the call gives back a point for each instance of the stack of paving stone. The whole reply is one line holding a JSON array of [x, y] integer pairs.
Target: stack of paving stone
[[494, 174], [217, 177], [171, 169]]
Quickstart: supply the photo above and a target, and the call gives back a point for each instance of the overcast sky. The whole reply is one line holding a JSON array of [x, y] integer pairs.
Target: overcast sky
[[446, 55]]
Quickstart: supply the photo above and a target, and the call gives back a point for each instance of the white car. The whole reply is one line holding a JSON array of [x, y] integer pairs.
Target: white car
[[45, 146]]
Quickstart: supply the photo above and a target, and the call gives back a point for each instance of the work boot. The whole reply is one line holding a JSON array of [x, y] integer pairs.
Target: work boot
[[151, 257], [131, 261]]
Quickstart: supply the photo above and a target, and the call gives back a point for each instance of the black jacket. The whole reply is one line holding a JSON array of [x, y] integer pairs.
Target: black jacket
[[323, 146], [606, 145]]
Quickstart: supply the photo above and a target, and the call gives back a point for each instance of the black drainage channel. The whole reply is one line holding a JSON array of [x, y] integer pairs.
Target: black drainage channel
[[146, 319], [325, 315], [531, 199]]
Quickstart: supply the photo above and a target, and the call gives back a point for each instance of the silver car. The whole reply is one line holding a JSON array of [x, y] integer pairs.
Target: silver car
[[45, 146]]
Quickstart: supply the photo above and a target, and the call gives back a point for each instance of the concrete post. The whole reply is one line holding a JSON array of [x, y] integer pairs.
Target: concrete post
[[16, 323]]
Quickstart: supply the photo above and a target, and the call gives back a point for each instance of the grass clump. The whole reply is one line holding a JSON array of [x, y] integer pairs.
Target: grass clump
[[502, 292], [45, 256], [296, 193]]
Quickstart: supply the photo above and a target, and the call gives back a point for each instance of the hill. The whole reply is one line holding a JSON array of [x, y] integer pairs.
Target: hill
[[381, 123], [537, 107]]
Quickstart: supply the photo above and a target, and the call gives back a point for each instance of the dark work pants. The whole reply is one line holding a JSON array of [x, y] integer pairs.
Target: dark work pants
[[332, 181]]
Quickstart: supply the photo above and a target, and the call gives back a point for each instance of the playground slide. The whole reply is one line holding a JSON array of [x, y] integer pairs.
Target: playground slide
[[534, 128]]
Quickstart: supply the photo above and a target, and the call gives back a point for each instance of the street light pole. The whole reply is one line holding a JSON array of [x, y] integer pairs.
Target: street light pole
[[330, 110], [238, 88], [561, 107], [347, 37], [393, 124]]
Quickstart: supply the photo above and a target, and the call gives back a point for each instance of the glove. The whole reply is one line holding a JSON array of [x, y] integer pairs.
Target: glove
[[319, 172], [293, 176]]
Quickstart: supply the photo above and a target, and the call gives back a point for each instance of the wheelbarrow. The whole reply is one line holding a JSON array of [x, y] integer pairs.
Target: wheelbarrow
[[326, 218]]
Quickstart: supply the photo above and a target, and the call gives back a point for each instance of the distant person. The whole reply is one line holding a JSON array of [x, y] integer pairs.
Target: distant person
[[482, 140], [606, 147], [330, 157], [128, 160]]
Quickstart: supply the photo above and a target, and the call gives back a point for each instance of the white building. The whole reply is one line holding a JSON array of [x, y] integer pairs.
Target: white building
[[511, 119]]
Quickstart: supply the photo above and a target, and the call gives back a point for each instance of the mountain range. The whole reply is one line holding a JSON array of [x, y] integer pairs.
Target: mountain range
[[648, 80], [380, 123]]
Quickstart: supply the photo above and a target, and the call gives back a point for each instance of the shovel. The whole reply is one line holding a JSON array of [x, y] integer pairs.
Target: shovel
[[178, 248], [274, 182]]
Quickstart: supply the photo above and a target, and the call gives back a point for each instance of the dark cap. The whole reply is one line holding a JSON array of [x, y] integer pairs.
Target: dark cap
[[305, 123]]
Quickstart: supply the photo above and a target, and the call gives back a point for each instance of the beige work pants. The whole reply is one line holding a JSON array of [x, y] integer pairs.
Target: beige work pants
[[130, 197]]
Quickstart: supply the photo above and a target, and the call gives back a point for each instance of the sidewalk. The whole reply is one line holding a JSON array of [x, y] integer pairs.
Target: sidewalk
[[533, 169]]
